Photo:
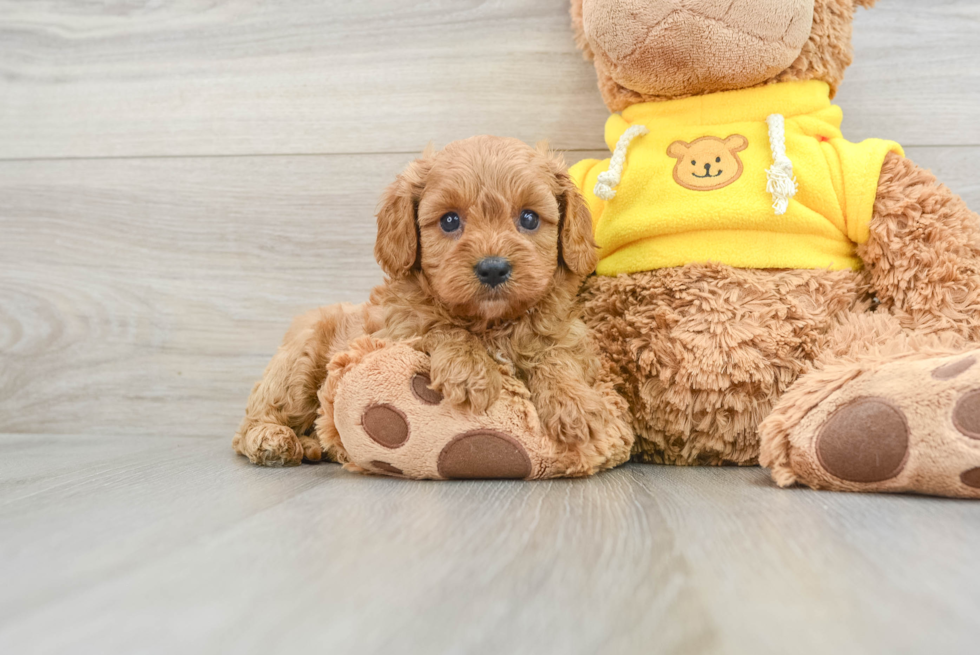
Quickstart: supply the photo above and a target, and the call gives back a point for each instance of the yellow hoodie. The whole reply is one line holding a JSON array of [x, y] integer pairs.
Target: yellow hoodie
[[756, 178]]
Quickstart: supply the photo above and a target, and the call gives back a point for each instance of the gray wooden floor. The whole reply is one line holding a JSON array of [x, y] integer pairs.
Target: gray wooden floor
[[178, 179]]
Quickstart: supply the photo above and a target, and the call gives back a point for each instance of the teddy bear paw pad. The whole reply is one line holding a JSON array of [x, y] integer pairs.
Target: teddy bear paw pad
[[866, 440], [966, 415], [422, 388], [971, 478], [385, 467], [386, 425], [484, 454], [954, 369], [910, 425]]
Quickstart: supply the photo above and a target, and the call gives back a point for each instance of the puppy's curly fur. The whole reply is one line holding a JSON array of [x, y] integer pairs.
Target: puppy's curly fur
[[527, 327]]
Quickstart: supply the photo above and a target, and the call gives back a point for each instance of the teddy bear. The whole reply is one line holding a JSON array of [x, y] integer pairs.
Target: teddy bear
[[767, 291]]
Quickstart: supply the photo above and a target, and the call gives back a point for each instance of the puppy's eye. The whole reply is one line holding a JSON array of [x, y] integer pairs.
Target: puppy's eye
[[449, 222], [717, 160], [529, 220], [694, 162]]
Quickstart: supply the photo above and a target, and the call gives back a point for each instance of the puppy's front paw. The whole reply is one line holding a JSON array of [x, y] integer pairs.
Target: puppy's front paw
[[270, 444], [467, 382], [573, 415]]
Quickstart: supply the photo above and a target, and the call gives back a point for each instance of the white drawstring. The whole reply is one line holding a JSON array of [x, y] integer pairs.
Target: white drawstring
[[604, 187], [780, 181]]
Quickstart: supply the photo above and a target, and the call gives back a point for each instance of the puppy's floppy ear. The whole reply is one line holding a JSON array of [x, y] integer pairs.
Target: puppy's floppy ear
[[576, 247], [397, 247]]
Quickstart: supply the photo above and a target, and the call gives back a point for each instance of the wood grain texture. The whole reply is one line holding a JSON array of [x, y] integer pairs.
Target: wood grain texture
[[246, 77], [249, 77], [175, 545], [147, 296], [915, 77]]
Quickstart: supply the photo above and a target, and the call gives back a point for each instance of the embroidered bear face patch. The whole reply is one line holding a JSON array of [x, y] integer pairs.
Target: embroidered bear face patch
[[708, 163]]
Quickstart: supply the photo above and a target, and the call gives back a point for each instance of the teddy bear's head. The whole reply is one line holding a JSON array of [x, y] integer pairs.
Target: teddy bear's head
[[647, 50]]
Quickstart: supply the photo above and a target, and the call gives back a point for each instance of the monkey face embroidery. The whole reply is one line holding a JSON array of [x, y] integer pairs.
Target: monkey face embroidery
[[708, 163]]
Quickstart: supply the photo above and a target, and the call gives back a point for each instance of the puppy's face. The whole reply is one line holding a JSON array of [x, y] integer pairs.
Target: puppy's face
[[494, 222], [488, 227]]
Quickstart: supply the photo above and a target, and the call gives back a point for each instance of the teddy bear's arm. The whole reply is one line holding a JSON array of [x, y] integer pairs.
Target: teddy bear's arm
[[923, 253]]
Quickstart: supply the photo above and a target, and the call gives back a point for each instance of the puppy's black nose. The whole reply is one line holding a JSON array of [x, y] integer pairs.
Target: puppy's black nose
[[492, 271], [707, 168]]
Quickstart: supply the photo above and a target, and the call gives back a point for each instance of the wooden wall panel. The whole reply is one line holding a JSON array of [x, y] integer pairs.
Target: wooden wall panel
[[247, 77]]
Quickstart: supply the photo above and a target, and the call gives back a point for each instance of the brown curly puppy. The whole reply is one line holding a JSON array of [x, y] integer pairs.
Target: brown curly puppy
[[485, 245]]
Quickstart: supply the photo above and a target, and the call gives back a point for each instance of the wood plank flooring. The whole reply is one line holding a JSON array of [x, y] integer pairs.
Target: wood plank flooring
[[163, 545], [178, 179]]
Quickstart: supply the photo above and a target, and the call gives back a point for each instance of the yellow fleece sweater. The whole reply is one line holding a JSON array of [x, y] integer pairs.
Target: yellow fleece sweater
[[693, 187]]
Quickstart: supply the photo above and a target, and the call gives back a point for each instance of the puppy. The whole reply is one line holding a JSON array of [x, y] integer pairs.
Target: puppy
[[484, 245]]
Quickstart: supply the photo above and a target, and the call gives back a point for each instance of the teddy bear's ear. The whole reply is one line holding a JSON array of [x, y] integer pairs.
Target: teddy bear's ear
[[736, 143], [578, 27], [678, 149], [397, 247]]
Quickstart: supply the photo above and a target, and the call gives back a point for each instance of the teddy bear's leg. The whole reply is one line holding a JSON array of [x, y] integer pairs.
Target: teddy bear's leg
[[923, 253], [388, 421], [702, 352], [888, 411]]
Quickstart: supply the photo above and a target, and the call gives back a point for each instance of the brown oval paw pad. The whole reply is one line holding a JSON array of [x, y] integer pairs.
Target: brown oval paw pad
[[391, 469], [966, 415], [971, 478], [953, 369], [386, 425], [483, 454], [423, 391], [866, 440]]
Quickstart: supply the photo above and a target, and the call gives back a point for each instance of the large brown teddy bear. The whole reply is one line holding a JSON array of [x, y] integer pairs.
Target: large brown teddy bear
[[767, 291]]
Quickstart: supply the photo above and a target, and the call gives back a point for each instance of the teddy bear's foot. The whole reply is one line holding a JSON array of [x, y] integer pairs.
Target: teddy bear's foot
[[390, 422], [910, 425]]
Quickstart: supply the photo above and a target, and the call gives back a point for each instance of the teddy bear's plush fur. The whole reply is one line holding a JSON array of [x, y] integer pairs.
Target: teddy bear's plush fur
[[721, 364]]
